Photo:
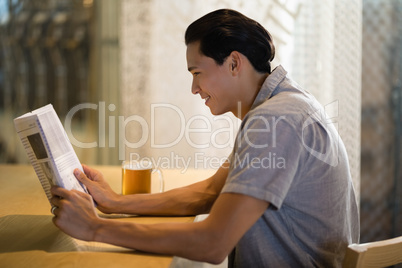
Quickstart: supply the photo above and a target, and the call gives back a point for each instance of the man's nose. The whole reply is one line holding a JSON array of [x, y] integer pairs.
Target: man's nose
[[195, 89]]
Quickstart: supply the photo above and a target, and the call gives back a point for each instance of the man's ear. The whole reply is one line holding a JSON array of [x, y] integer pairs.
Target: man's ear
[[235, 62]]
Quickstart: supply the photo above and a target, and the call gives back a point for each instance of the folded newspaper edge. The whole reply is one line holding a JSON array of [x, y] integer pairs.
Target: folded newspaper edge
[[49, 150]]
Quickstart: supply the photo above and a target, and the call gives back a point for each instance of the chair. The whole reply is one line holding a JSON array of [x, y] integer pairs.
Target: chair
[[375, 254]]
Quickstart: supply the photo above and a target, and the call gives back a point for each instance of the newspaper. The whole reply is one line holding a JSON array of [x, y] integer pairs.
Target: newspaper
[[49, 149]]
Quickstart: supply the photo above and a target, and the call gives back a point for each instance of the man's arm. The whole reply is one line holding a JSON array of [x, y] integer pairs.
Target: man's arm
[[193, 199], [210, 240], [189, 200]]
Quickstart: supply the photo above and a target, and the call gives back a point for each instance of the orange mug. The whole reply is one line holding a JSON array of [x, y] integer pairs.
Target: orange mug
[[137, 176]]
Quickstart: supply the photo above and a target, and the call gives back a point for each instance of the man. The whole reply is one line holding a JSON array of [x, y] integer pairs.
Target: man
[[284, 198]]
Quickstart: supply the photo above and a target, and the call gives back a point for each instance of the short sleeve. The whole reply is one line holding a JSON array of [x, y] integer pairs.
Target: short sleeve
[[265, 158]]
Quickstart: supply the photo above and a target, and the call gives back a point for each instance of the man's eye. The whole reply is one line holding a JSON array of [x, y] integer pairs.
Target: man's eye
[[196, 73]]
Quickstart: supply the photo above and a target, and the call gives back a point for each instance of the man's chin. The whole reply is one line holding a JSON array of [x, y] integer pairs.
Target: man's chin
[[215, 112]]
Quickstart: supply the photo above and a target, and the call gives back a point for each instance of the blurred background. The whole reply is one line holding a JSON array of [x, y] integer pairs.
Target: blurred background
[[115, 72]]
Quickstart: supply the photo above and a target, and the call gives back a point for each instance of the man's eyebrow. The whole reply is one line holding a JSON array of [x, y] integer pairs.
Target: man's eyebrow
[[191, 68]]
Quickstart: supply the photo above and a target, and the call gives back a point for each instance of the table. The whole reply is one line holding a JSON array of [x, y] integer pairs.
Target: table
[[28, 237]]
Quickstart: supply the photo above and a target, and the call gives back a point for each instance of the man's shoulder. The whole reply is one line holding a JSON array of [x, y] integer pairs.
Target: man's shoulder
[[290, 107]]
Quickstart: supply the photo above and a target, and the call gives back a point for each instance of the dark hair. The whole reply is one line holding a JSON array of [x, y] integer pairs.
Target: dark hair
[[223, 31]]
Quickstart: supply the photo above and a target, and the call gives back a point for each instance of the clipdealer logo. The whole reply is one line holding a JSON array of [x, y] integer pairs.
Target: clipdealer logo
[[327, 154], [147, 129]]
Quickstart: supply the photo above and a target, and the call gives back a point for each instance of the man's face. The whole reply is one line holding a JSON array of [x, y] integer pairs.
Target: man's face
[[213, 82]]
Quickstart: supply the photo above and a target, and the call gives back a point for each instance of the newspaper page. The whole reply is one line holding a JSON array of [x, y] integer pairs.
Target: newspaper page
[[49, 149]]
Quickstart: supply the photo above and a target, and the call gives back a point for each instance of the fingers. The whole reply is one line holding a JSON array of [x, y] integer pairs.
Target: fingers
[[53, 209], [81, 176], [86, 169], [90, 172], [67, 199], [59, 192], [57, 200]]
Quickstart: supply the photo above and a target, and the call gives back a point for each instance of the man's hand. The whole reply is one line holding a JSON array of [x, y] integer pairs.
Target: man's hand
[[99, 189], [75, 213]]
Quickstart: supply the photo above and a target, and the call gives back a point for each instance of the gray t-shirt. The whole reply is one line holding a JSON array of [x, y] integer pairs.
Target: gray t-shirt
[[288, 153]]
